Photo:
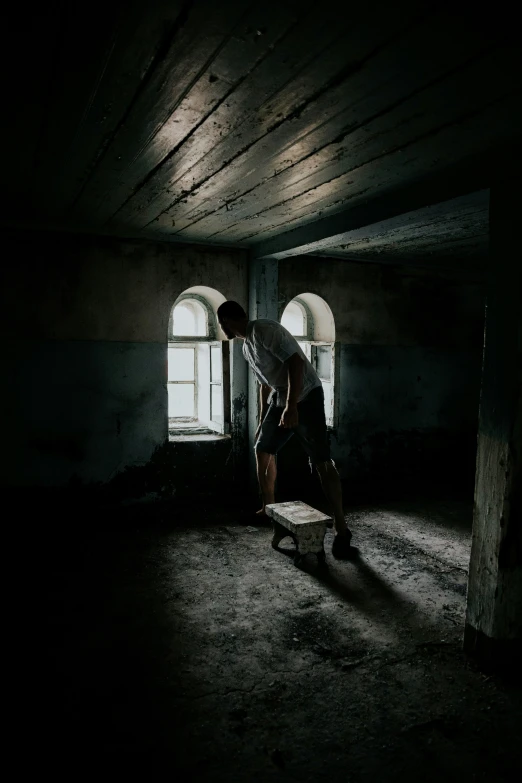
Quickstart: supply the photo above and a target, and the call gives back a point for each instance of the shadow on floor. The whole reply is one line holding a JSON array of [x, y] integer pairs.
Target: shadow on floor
[[153, 631]]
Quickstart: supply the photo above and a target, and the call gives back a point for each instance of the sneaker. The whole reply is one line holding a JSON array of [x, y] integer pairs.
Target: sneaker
[[341, 548]]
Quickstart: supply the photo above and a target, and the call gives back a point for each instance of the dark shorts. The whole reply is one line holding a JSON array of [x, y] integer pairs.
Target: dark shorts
[[311, 430]]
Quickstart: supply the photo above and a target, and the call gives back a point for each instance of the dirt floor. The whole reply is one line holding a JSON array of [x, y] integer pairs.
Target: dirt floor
[[184, 636]]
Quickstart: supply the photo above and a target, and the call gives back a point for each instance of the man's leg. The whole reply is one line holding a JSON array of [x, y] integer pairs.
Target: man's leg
[[266, 475], [331, 484], [271, 438], [313, 434]]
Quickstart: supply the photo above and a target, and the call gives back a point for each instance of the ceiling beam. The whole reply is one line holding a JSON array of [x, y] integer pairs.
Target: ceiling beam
[[430, 196]]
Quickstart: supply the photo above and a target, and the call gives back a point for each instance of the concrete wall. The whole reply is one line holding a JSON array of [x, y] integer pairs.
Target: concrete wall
[[85, 325], [410, 362]]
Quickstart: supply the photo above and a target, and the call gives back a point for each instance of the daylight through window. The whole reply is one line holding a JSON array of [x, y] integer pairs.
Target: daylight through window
[[310, 320], [195, 368], [294, 319]]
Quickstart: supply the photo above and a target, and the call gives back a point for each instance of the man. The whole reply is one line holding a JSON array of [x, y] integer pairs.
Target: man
[[292, 403]]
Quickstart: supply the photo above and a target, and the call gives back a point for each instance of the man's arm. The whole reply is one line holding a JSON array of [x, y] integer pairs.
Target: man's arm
[[295, 367]]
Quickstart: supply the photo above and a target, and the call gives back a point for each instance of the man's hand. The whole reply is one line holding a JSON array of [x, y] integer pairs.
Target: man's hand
[[290, 417]]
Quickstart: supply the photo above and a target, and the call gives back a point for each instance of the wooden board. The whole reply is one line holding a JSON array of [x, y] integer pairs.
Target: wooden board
[[377, 109], [295, 513], [237, 123]]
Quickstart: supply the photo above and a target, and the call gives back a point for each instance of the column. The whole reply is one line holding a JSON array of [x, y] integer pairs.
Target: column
[[263, 303], [493, 630]]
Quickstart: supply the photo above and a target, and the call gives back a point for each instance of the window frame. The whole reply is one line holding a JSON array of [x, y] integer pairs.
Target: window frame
[[179, 425], [185, 419]]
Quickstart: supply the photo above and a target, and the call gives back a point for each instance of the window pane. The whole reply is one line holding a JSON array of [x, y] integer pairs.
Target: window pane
[[215, 354], [324, 362], [189, 319], [181, 399], [184, 319], [181, 364], [307, 349], [201, 320], [328, 402], [217, 403], [294, 319]]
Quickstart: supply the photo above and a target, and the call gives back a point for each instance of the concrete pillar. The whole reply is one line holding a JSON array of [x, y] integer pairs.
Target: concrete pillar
[[239, 413], [263, 303], [493, 630]]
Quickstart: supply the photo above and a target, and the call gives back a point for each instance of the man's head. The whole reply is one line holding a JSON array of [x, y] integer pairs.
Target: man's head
[[232, 319]]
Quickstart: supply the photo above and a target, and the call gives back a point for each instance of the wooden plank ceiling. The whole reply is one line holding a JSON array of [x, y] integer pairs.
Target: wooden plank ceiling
[[234, 123]]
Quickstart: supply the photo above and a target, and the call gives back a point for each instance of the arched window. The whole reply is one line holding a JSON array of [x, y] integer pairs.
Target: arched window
[[295, 319], [198, 367], [310, 320]]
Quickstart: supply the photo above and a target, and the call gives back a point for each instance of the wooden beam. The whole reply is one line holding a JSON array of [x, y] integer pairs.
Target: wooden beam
[[386, 212], [454, 229]]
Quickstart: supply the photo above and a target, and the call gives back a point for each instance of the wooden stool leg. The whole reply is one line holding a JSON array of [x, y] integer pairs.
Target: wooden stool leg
[[280, 532]]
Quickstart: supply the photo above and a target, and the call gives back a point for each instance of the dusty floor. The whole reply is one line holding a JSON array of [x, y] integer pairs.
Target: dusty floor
[[188, 638]]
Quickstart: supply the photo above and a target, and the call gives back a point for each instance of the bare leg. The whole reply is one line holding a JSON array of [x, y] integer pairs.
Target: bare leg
[[331, 484], [266, 475]]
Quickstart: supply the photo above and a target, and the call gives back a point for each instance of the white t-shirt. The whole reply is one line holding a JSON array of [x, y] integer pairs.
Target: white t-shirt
[[266, 348]]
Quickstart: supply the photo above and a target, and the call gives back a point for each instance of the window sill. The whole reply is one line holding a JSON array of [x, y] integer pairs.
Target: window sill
[[177, 436], [181, 424]]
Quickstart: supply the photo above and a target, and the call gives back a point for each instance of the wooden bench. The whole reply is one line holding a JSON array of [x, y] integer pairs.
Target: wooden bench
[[304, 524]]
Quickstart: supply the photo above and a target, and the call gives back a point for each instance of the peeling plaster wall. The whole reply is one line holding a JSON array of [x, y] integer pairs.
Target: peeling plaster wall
[[85, 325], [410, 363]]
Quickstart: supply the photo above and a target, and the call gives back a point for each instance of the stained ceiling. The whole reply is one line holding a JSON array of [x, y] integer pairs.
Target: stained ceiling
[[274, 126]]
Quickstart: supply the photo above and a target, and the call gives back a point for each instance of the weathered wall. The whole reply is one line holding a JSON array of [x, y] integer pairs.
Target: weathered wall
[[410, 360], [85, 325]]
